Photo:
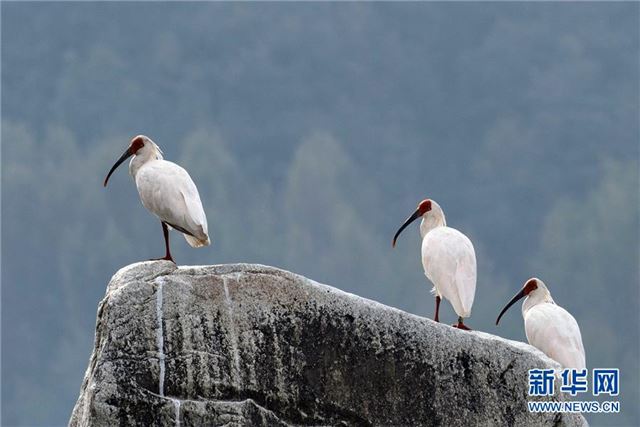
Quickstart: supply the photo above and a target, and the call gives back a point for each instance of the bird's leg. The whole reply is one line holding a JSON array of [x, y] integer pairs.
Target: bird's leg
[[167, 257], [165, 231], [438, 299], [461, 325]]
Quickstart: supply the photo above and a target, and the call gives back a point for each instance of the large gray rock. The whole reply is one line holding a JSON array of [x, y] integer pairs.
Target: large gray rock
[[253, 345]]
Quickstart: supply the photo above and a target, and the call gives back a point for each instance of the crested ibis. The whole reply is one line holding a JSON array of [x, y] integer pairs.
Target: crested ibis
[[448, 258], [167, 191], [549, 327]]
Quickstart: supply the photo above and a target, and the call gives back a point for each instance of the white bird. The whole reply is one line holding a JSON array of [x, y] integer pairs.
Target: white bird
[[448, 258], [549, 327], [167, 191]]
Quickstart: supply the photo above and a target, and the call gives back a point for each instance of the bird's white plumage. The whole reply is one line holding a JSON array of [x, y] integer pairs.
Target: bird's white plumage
[[555, 332], [552, 329], [449, 262], [167, 191]]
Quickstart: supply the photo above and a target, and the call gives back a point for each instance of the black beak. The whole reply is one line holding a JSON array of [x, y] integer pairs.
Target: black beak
[[122, 158], [409, 220], [514, 300]]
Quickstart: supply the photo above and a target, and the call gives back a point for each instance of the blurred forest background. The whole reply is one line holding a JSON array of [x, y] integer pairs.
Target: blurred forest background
[[312, 131]]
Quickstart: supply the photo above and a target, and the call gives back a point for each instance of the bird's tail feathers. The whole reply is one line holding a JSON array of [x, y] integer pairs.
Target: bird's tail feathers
[[196, 242]]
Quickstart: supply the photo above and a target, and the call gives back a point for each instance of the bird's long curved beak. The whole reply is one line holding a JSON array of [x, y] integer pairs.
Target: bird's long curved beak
[[514, 300], [122, 158], [409, 220]]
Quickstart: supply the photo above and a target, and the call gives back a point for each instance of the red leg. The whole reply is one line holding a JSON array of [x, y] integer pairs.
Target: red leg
[[167, 257], [461, 325], [437, 308]]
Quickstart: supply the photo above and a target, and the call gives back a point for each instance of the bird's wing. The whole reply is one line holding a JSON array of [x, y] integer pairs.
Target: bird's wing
[[167, 191], [554, 331], [192, 201], [196, 214], [449, 261]]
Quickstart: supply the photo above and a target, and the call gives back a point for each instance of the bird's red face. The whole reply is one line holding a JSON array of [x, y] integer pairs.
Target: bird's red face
[[423, 207], [136, 144], [530, 286]]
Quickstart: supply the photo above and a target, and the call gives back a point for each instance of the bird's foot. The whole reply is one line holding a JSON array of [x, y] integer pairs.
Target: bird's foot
[[165, 258], [462, 326]]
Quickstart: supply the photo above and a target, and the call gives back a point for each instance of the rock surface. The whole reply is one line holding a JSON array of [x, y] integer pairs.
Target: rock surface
[[253, 345]]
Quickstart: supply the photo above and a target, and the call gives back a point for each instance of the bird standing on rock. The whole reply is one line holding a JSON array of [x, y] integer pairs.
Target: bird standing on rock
[[167, 191], [448, 258], [549, 327]]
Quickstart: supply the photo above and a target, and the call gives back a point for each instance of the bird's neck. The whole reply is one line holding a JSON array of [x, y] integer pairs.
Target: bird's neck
[[534, 299], [430, 221], [140, 160]]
